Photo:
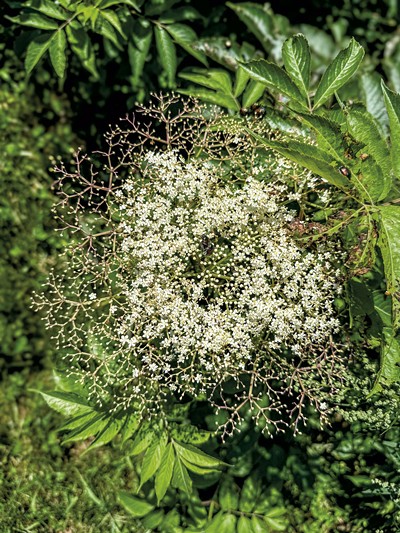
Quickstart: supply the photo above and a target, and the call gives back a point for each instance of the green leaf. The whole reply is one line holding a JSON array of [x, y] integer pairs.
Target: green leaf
[[258, 525], [241, 79], [389, 244], [49, 8], [66, 403], [383, 306], [135, 506], [244, 525], [196, 456], [185, 36], [374, 100], [111, 429], [253, 93], [152, 458], [180, 477], [188, 433], [342, 68], [131, 3], [78, 421], [392, 102], [217, 79], [113, 19], [164, 473], [274, 78], [132, 423], [257, 20], [228, 495], [297, 60], [104, 28], [57, 52], [82, 47], [197, 469], [166, 53], [329, 136], [88, 429], [215, 525], [34, 20], [141, 441], [363, 128], [308, 156], [249, 494], [389, 371], [212, 97], [35, 51], [138, 49], [371, 182]]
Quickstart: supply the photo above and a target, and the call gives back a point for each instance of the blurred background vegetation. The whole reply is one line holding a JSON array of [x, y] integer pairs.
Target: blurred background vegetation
[[323, 480]]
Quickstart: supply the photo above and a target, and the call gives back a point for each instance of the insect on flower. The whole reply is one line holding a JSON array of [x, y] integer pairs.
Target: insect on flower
[[345, 171], [207, 246]]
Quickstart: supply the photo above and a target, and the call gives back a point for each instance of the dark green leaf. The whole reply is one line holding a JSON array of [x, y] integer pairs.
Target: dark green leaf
[[112, 18], [241, 79], [297, 60], [132, 423], [212, 97], [34, 20], [186, 37], [66, 403], [212, 79], [35, 51], [49, 8], [82, 47], [258, 21], [196, 456], [138, 49], [152, 458], [88, 429], [166, 53], [104, 28], [389, 371], [253, 93], [342, 68]]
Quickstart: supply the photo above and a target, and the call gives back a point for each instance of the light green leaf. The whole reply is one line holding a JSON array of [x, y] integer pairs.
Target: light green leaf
[[249, 494], [35, 51], [131, 3], [180, 477], [166, 53], [113, 19], [141, 441], [138, 49], [342, 68], [274, 78], [372, 96], [34, 20], [104, 28], [188, 433], [152, 458], [82, 47], [241, 79], [389, 244], [132, 423], [197, 469], [49, 8], [215, 525], [389, 371], [363, 128], [392, 102], [212, 97], [244, 525], [228, 495], [383, 306], [135, 506], [185, 36], [78, 421], [164, 473], [57, 52], [254, 91], [371, 182], [107, 433], [213, 79], [196, 456], [308, 156], [329, 136], [257, 20], [297, 60], [258, 525], [66, 403]]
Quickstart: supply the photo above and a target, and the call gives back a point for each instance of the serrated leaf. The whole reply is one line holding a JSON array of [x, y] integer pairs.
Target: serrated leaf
[[212, 79], [308, 156], [104, 28], [110, 430], [34, 20], [66, 403], [389, 371], [141, 441], [164, 473], [166, 53], [392, 103], [82, 47], [254, 91], [185, 36], [389, 244], [135, 506], [188, 433], [274, 78], [138, 49], [297, 60], [89, 429], [197, 469], [180, 477], [374, 101], [258, 525], [383, 306], [132, 423], [152, 458], [78, 421], [244, 525], [35, 51], [363, 128], [342, 68], [372, 183], [329, 136], [49, 8], [215, 525], [57, 52], [249, 494], [212, 97], [241, 79], [196, 456], [228, 495], [257, 20], [113, 19]]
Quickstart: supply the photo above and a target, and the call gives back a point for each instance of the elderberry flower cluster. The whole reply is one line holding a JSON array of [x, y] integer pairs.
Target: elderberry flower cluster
[[191, 283]]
